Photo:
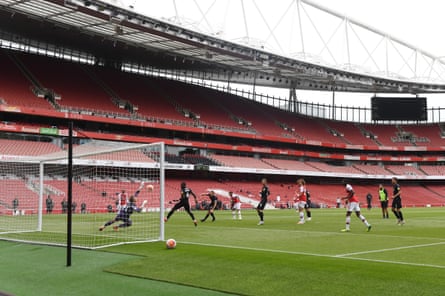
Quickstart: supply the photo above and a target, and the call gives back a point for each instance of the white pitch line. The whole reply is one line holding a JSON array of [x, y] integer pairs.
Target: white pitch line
[[262, 229], [393, 262], [324, 255], [390, 249], [258, 249]]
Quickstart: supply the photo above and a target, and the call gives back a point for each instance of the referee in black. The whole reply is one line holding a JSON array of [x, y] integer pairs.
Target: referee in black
[[264, 193], [397, 201], [184, 202]]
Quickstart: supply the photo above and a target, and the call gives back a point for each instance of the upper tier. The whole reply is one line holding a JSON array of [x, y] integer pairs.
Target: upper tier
[[103, 90]]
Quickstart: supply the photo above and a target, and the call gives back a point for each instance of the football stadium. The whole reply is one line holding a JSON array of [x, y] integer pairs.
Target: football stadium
[[217, 148]]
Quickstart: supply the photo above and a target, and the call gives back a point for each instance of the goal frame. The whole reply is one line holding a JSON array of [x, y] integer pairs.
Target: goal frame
[[64, 161]]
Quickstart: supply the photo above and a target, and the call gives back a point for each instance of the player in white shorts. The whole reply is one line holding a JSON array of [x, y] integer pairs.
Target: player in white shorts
[[353, 206], [235, 205], [300, 199]]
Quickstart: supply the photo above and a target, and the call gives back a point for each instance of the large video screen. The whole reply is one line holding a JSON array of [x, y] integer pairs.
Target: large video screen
[[398, 108]]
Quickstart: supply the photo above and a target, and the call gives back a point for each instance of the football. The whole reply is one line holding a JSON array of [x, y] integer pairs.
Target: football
[[150, 187], [170, 243]]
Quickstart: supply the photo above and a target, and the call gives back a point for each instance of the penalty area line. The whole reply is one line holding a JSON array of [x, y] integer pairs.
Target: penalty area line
[[330, 256], [389, 249]]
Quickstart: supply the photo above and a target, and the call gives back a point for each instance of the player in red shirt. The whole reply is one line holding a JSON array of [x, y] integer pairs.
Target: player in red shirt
[[235, 205], [122, 200], [300, 199], [352, 205]]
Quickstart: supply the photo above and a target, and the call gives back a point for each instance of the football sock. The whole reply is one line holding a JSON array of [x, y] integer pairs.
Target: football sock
[[364, 220], [396, 214], [261, 214], [400, 216], [301, 216], [348, 222]]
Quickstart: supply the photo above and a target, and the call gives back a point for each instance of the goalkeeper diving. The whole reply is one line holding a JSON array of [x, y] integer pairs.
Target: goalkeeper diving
[[126, 211]]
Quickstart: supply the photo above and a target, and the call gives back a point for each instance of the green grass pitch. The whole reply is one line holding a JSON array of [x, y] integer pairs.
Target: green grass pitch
[[241, 258]]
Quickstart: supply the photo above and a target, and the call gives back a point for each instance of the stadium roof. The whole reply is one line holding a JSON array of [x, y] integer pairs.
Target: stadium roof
[[119, 34]]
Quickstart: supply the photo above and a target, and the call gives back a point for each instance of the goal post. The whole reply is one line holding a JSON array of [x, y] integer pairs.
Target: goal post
[[103, 173]]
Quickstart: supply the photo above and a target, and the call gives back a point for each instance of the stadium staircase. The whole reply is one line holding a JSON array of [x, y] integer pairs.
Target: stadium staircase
[[115, 98], [241, 125], [313, 165], [37, 88], [17, 88], [335, 132], [442, 130]]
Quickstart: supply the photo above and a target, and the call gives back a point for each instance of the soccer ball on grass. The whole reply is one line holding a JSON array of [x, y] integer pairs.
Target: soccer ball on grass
[[170, 243]]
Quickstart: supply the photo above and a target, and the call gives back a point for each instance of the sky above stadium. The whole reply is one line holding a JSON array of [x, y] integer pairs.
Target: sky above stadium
[[419, 23]]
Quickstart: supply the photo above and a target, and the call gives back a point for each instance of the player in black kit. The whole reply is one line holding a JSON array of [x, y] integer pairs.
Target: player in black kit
[[397, 202], [126, 211], [184, 202], [264, 193], [212, 206]]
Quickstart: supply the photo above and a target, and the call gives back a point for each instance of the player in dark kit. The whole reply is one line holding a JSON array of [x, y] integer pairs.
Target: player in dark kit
[[308, 206], [397, 202], [126, 211], [212, 206], [184, 202], [264, 193]]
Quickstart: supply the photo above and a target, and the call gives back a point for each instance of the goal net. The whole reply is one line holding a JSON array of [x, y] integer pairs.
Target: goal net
[[34, 201]]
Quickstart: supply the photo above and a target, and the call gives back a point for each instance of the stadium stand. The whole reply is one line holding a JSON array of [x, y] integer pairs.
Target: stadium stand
[[144, 93], [286, 164], [318, 131], [384, 134], [351, 133], [404, 170], [425, 135], [22, 192], [114, 93], [239, 161], [205, 105], [372, 169], [164, 101], [77, 91], [32, 148], [126, 156], [433, 170], [324, 167], [172, 158], [198, 159], [15, 88], [251, 114]]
